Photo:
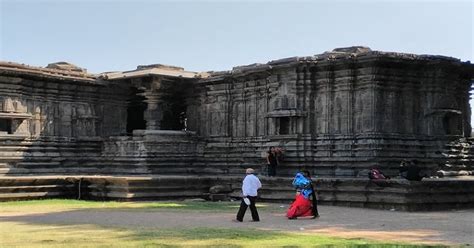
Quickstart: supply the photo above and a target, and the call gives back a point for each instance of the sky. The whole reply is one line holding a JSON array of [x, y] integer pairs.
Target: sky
[[218, 35], [107, 35]]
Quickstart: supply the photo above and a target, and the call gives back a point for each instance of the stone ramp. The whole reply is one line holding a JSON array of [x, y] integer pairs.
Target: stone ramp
[[430, 194]]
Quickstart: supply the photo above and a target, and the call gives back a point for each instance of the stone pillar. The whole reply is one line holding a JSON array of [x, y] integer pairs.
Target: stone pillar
[[153, 113], [36, 122], [153, 98]]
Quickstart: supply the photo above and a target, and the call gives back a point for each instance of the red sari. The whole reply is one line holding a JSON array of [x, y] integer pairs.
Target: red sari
[[301, 207]]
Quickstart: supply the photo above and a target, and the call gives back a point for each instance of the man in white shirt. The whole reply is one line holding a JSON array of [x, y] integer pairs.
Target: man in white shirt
[[250, 186]]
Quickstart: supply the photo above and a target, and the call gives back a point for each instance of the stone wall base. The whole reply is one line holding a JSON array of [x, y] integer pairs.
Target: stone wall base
[[397, 194]]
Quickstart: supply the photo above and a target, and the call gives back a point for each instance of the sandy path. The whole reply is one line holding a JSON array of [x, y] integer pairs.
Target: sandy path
[[453, 227]]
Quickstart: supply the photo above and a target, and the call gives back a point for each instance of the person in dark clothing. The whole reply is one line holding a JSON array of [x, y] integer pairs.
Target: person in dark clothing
[[313, 195], [410, 171], [272, 162]]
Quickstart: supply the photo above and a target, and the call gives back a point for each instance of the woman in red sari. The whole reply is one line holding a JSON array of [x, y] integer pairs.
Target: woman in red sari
[[305, 203]]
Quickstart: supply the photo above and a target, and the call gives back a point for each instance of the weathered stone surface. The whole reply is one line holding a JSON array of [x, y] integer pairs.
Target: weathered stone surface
[[354, 49], [219, 197], [342, 111], [66, 66], [442, 173], [216, 189], [430, 194]]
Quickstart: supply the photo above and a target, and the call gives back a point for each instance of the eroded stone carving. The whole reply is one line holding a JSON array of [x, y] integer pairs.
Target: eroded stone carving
[[335, 113]]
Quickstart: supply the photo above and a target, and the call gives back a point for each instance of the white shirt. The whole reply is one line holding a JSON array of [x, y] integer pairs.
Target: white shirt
[[250, 185]]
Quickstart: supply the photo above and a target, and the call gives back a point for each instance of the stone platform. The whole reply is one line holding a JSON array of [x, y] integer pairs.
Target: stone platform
[[398, 194]]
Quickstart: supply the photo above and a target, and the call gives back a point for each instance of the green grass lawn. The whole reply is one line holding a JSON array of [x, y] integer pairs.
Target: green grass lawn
[[26, 234], [62, 205]]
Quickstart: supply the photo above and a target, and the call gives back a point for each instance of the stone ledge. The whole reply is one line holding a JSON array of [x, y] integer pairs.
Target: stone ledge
[[394, 194]]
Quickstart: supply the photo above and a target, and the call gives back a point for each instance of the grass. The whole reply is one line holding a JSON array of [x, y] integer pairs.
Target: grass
[[24, 232], [15, 234], [62, 204]]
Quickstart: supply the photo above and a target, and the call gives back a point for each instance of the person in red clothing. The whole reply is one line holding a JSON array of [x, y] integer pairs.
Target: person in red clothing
[[305, 203]]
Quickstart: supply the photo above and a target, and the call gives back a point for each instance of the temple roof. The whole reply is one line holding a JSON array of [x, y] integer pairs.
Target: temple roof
[[67, 71], [337, 54], [60, 70], [151, 70]]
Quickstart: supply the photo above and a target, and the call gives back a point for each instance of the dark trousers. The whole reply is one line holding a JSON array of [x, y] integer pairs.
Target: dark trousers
[[271, 170], [315, 204], [243, 208]]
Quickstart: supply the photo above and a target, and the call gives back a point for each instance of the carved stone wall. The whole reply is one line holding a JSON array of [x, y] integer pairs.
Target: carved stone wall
[[157, 152], [58, 119], [64, 109], [336, 114]]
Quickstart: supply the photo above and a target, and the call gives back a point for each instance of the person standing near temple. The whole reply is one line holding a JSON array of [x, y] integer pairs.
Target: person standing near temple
[[250, 186], [272, 162]]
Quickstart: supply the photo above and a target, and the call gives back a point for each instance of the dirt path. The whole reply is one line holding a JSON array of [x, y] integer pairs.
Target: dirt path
[[452, 227]]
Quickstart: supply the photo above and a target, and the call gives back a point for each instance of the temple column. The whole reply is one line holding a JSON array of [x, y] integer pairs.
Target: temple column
[[153, 113]]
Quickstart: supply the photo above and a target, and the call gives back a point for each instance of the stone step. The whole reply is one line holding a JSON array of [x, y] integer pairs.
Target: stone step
[[38, 164], [399, 194], [4, 171], [33, 188], [31, 196]]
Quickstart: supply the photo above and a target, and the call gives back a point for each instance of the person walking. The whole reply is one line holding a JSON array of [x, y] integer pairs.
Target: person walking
[[313, 195], [250, 186], [305, 203]]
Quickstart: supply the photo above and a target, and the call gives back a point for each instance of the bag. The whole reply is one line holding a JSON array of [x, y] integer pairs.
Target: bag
[[300, 181], [376, 174], [306, 193]]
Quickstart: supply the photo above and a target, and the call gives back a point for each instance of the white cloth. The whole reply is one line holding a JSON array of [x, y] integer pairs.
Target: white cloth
[[250, 185]]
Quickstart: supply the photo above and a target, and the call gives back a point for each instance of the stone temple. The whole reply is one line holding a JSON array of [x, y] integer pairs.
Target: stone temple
[[158, 130]]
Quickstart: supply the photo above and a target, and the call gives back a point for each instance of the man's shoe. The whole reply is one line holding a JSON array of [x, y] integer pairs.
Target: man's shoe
[[314, 217], [236, 220]]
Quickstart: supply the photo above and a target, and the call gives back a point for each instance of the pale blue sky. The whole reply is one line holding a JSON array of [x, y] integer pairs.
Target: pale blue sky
[[211, 35]]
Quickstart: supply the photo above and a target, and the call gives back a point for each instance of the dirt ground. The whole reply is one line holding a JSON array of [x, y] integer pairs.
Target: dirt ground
[[449, 227]]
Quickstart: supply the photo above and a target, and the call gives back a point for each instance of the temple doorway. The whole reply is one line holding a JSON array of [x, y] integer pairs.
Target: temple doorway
[[174, 112], [136, 112]]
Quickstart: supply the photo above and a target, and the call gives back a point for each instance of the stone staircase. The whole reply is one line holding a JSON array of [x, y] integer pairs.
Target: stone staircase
[[41, 187], [459, 155], [232, 157], [189, 156], [49, 157]]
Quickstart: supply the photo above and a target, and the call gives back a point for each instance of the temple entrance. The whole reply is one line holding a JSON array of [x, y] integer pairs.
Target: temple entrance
[[451, 124], [136, 112], [284, 126]]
